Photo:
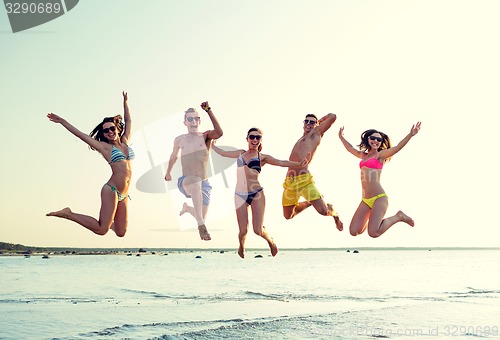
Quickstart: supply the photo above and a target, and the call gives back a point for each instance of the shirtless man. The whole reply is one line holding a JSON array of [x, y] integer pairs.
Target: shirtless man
[[195, 147], [299, 181]]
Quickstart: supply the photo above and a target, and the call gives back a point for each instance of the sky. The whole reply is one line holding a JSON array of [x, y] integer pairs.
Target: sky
[[264, 63]]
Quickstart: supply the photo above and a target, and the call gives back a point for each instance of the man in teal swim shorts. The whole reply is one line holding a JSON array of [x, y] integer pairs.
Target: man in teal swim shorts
[[194, 147]]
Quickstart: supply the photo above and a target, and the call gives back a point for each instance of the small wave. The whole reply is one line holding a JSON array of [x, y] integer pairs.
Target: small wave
[[160, 295], [173, 329], [73, 300], [473, 292]]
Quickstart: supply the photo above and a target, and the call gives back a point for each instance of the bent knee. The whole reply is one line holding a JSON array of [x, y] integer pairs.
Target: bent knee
[[102, 231], [121, 234], [355, 231], [373, 234], [288, 212], [258, 232]]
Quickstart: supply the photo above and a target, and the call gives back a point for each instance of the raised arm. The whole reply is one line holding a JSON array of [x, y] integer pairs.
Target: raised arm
[[126, 117], [348, 145], [217, 132], [325, 123], [267, 159], [173, 158], [224, 153], [387, 153], [84, 137]]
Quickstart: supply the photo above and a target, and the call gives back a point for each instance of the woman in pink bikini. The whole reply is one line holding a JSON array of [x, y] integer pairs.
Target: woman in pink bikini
[[111, 139], [374, 150]]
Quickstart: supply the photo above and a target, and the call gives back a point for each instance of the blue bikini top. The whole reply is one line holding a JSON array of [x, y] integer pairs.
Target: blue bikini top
[[117, 155], [253, 163]]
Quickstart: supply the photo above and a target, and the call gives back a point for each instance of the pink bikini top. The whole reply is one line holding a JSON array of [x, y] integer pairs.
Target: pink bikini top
[[371, 163]]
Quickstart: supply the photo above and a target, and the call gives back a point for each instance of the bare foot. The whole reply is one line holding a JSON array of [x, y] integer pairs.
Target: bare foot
[[63, 213], [338, 222], [241, 252], [273, 247], [405, 218], [184, 209], [205, 236]]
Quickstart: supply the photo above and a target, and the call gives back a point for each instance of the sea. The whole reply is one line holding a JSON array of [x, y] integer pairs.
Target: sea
[[211, 294]]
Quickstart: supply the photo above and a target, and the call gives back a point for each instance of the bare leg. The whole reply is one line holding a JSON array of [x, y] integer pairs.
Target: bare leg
[[258, 209], [242, 217], [291, 211], [360, 219], [377, 225], [120, 223], [192, 186], [332, 212], [327, 210], [106, 216], [390, 221], [204, 211]]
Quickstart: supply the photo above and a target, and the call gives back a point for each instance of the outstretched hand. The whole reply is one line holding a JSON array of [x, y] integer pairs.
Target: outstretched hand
[[55, 118], [125, 96], [341, 132], [205, 106], [415, 128]]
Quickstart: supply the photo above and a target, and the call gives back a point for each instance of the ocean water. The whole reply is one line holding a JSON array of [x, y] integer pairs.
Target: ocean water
[[300, 294]]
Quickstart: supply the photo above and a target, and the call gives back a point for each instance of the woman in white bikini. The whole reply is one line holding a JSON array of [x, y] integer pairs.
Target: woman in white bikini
[[374, 150], [111, 139]]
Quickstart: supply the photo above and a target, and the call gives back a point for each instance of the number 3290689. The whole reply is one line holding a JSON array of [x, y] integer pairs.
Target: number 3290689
[[32, 8]]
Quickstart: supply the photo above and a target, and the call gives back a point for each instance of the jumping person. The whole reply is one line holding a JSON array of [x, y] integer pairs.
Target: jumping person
[[111, 139], [374, 150], [299, 181], [249, 192], [195, 147]]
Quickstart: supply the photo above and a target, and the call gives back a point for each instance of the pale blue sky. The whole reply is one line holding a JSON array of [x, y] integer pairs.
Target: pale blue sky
[[376, 64]]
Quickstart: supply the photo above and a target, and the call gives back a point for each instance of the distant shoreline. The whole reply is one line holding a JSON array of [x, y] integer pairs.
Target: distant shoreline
[[20, 250]]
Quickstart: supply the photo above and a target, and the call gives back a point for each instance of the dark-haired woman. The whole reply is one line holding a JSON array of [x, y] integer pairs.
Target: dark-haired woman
[[111, 139], [249, 192], [374, 150]]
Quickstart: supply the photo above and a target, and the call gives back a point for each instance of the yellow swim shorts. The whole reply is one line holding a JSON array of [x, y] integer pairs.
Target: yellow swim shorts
[[296, 186]]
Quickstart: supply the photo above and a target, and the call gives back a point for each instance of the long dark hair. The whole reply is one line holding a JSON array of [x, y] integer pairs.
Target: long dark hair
[[259, 131], [98, 134], [365, 146]]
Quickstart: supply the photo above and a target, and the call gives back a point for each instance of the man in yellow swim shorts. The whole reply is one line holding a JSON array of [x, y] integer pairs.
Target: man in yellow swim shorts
[[299, 181]]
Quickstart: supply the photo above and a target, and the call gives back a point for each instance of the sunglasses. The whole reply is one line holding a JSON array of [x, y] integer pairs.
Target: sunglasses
[[252, 137], [111, 128], [310, 122], [378, 139], [190, 119]]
